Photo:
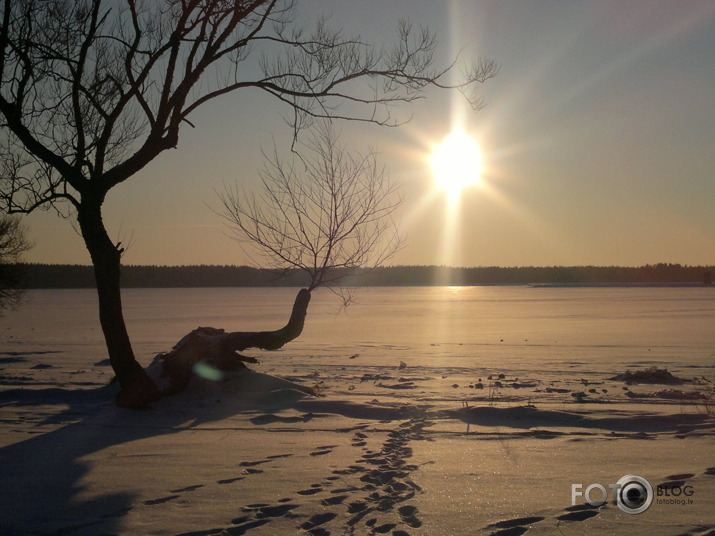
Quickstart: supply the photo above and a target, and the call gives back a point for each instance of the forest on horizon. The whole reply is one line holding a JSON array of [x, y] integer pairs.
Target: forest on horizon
[[133, 276]]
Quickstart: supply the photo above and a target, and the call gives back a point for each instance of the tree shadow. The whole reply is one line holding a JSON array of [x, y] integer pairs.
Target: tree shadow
[[43, 476]]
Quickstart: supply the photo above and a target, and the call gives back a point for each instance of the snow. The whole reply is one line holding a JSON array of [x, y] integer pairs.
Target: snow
[[255, 454]]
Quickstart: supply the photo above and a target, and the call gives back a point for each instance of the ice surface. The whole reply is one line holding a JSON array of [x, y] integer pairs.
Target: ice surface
[[506, 398]]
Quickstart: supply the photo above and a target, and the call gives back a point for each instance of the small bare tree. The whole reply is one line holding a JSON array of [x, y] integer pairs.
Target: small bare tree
[[13, 243], [324, 211]]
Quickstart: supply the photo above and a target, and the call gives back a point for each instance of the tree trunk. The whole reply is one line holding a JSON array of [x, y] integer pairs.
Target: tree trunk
[[170, 371], [218, 350], [137, 389]]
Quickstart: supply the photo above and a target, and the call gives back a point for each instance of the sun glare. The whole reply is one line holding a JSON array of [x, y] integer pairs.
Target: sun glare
[[456, 163]]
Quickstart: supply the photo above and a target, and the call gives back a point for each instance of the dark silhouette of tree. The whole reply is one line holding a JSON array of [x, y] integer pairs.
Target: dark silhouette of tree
[[91, 91], [76, 276], [324, 212], [13, 243]]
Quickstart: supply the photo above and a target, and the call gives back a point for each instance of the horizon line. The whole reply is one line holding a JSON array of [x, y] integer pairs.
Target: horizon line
[[442, 266]]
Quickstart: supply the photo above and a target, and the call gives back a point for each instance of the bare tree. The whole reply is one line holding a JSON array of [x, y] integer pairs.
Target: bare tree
[[91, 91], [324, 211], [13, 243]]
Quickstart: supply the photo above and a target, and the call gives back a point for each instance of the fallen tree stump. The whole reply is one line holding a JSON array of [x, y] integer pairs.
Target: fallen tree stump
[[213, 349]]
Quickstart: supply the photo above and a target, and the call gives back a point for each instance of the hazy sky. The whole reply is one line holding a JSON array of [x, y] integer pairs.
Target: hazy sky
[[598, 142]]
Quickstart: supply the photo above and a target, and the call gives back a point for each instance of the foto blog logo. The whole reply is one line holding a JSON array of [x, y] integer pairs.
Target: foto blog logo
[[632, 493]]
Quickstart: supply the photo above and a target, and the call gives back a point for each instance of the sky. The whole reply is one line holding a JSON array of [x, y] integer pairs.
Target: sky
[[597, 142]]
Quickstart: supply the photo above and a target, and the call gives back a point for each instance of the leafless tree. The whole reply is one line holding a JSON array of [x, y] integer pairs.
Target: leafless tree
[[323, 212], [13, 243], [91, 91]]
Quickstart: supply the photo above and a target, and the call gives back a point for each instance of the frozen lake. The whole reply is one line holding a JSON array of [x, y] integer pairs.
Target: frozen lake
[[470, 327], [469, 407]]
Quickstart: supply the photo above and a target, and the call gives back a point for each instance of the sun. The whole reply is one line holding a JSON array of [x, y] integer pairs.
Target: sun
[[456, 164]]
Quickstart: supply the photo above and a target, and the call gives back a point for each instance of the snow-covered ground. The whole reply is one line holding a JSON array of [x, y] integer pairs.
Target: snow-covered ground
[[442, 411]]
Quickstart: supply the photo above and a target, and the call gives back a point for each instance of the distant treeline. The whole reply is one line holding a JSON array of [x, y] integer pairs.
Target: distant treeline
[[77, 276]]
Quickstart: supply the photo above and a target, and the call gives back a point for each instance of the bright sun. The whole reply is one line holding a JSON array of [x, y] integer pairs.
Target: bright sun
[[456, 163]]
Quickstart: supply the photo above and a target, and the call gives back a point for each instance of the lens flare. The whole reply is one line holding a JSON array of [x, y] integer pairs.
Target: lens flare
[[207, 371]]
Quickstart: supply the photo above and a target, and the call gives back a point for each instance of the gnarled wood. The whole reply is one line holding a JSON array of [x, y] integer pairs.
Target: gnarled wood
[[171, 371]]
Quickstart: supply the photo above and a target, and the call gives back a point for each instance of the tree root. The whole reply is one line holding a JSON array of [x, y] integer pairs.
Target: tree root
[[218, 349]]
